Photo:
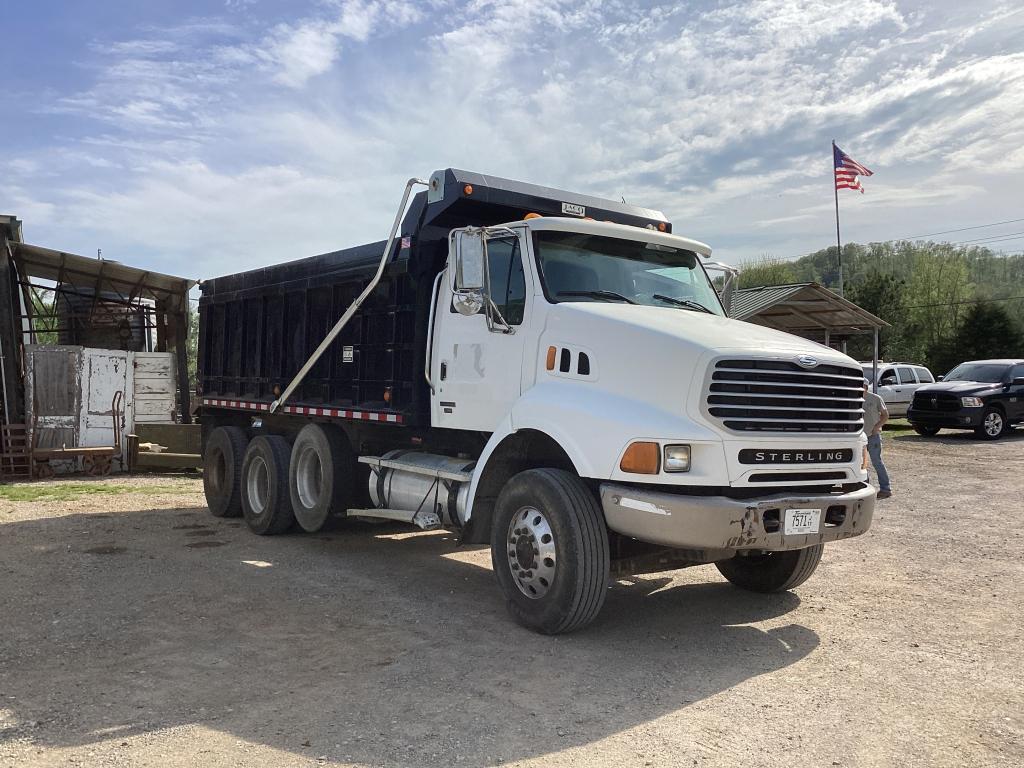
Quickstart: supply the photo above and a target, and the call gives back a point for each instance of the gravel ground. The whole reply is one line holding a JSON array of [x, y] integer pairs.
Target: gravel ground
[[135, 629]]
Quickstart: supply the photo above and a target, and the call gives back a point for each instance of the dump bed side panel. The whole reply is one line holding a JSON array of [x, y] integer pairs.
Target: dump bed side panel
[[258, 328]]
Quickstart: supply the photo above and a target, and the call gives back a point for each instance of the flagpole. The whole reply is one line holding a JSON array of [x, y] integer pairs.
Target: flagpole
[[839, 242]]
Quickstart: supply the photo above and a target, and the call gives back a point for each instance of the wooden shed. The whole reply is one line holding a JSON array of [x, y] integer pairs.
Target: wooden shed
[[76, 330]]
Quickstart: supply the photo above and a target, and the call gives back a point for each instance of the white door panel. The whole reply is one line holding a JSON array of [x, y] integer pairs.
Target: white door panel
[[476, 372]]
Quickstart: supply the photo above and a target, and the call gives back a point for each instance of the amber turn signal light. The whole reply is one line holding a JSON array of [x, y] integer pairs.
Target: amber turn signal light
[[468, 189], [641, 458], [550, 363]]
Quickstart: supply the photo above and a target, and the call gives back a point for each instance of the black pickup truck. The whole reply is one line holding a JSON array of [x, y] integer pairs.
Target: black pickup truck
[[984, 395]]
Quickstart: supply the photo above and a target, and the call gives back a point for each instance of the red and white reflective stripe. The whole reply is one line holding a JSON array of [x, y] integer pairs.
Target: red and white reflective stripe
[[305, 410]]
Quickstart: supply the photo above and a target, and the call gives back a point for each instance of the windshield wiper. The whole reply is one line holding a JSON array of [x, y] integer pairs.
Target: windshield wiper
[[686, 303], [607, 295]]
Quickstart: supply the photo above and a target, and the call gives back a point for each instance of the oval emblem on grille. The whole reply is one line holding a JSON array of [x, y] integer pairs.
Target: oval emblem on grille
[[807, 361]]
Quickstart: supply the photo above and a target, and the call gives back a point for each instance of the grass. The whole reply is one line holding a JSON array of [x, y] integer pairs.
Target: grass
[[67, 490], [897, 425]]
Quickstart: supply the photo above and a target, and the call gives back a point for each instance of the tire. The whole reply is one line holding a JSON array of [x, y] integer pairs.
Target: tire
[[222, 471], [993, 424], [321, 475], [560, 585], [926, 431], [772, 571], [266, 504]]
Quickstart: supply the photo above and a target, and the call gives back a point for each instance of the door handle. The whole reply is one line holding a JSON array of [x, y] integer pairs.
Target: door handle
[[444, 370]]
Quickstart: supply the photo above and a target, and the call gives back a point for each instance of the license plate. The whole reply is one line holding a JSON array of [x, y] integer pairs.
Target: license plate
[[802, 521]]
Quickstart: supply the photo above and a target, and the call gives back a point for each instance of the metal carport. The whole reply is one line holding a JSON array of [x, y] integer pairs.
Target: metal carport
[[806, 309]]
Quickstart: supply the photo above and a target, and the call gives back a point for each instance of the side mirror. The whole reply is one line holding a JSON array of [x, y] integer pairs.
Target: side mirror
[[470, 259], [939, 378], [470, 252]]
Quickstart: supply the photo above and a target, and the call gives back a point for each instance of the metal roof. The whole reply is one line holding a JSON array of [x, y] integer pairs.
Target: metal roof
[[48, 264], [802, 307]]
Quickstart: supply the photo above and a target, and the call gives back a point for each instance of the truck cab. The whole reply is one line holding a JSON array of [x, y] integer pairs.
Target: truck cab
[[592, 412]]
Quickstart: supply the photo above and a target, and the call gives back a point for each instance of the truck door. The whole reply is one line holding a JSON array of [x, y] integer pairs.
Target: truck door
[[887, 386], [1015, 395], [476, 371], [904, 392]]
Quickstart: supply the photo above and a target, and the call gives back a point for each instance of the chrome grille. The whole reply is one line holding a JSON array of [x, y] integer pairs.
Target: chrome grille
[[943, 403], [780, 396]]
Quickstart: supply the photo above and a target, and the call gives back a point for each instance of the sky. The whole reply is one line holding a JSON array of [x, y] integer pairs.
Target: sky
[[203, 138]]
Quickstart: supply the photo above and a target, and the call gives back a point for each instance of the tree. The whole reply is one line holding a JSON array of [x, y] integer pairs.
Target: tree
[[192, 349], [987, 331], [885, 297], [44, 317], [766, 271]]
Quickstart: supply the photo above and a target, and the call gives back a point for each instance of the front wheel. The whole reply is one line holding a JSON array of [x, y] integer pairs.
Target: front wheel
[[549, 549], [993, 424], [772, 571], [926, 431]]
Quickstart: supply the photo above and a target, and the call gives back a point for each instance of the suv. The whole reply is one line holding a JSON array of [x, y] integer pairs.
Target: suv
[[984, 395], [897, 383]]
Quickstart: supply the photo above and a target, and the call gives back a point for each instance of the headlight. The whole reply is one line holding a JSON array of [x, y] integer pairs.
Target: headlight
[[971, 402], [677, 458]]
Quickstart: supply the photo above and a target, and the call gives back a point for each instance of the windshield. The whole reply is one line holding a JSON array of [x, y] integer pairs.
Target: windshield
[[581, 267], [987, 373]]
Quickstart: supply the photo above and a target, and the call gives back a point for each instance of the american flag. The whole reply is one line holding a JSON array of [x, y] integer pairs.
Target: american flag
[[847, 170]]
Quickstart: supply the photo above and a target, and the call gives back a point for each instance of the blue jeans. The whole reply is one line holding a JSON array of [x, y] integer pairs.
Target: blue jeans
[[875, 452]]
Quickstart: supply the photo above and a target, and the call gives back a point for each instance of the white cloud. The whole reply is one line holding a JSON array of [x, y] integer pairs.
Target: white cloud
[[720, 115]]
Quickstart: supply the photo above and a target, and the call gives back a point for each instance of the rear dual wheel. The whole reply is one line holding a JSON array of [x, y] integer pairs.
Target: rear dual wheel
[[266, 503], [222, 471], [323, 475]]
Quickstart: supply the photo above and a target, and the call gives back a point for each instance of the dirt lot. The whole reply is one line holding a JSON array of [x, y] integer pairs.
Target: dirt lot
[[135, 629]]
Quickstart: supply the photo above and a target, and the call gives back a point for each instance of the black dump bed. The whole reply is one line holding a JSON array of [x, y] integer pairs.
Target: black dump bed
[[258, 328]]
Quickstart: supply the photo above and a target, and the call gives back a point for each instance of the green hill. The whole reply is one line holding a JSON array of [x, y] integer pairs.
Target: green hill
[[946, 302]]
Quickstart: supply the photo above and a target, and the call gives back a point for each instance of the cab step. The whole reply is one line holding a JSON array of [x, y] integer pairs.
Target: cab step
[[424, 518]]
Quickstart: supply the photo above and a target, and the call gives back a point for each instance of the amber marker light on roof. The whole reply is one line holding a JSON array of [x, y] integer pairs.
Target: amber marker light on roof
[[641, 458], [468, 189], [529, 216]]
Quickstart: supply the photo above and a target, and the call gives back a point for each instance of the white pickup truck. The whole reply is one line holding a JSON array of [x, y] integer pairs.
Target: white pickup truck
[[567, 390]]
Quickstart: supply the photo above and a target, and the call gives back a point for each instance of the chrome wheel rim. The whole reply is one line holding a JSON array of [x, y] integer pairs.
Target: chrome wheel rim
[[257, 485], [531, 552], [309, 477], [993, 424]]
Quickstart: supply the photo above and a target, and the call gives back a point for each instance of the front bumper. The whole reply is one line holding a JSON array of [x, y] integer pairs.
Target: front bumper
[[965, 418], [719, 522]]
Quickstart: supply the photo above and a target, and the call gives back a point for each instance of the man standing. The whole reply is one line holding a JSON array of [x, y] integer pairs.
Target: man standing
[[875, 416]]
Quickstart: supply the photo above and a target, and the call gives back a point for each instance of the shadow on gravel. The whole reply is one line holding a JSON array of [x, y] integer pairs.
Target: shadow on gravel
[[953, 437], [362, 645]]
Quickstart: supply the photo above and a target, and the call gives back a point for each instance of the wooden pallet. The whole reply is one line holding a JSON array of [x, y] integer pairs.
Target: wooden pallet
[[15, 452]]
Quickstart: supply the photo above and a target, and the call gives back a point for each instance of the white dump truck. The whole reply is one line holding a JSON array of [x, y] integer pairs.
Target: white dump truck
[[550, 374]]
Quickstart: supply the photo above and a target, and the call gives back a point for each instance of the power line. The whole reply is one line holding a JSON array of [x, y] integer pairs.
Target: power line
[[965, 301], [962, 229], [991, 239]]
